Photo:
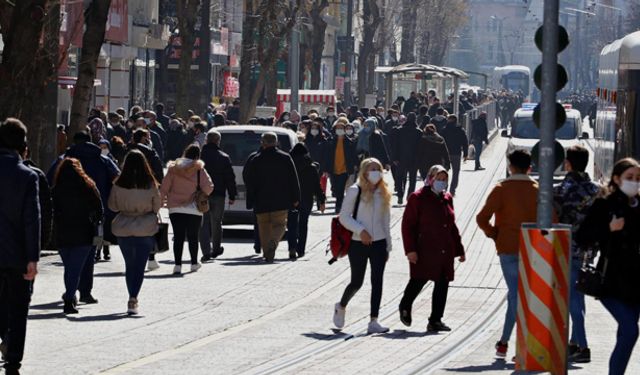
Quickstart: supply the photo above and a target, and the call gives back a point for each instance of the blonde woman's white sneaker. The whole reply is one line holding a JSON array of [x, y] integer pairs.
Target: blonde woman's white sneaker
[[153, 265], [338, 315], [375, 327]]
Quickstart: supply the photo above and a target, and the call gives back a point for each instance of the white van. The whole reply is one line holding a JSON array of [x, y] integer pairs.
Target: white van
[[525, 134], [239, 141]]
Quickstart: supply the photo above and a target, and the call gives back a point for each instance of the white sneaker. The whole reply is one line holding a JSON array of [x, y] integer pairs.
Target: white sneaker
[[177, 270], [375, 327], [338, 315], [153, 265], [195, 267]]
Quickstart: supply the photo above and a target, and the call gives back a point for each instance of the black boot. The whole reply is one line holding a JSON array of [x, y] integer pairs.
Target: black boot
[[70, 307], [88, 299], [107, 254]]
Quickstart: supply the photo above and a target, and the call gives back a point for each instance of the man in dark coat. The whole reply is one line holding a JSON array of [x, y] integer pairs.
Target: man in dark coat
[[457, 143], [176, 141], [249, 201], [432, 150], [153, 125], [218, 166], [140, 143], [161, 117], [273, 182], [439, 120], [479, 135], [405, 147], [411, 105], [19, 241], [102, 171]]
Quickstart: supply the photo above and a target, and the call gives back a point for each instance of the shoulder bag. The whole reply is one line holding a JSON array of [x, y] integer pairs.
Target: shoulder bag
[[201, 199], [341, 236]]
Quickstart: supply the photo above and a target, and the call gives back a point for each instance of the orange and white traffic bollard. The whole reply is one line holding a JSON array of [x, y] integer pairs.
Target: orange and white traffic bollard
[[543, 298]]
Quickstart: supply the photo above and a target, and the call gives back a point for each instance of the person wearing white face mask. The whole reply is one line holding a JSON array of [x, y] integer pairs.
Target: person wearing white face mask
[[340, 161], [431, 242], [612, 225], [371, 241]]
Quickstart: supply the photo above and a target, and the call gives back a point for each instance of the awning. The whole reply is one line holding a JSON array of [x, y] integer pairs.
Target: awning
[[68, 82], [309, 96], [442, 71]]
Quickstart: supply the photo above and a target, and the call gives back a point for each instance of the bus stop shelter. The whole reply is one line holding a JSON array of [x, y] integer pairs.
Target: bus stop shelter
[[424, 72]]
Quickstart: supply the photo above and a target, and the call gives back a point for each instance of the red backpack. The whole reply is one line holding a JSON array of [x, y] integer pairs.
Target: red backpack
[[341, 236]]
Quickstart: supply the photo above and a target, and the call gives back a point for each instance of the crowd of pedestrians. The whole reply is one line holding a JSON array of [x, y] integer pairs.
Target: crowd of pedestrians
[[108, 187]]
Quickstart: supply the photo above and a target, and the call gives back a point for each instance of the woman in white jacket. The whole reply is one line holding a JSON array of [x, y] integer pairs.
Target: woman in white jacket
[[371, 239]]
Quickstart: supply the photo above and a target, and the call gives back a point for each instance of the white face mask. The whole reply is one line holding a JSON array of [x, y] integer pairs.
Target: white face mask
[[315, 132], [104, 151], [330, 114], [439, 187], [374, 177], [147, 121], [190, 124], [339, 132], [349, 131], [394, 118], [630, 188]]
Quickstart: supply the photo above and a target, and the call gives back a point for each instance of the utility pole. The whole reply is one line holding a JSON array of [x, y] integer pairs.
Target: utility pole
[[348, 54], [294, 64], [205, 54]]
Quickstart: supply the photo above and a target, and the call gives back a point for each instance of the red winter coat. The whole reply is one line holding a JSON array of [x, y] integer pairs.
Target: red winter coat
[[429, 228]]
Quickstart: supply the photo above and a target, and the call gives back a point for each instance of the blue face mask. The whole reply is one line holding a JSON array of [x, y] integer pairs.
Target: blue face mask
[[439, 187]]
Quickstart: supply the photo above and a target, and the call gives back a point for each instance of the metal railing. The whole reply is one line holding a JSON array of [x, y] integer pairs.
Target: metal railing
[[492, 116]]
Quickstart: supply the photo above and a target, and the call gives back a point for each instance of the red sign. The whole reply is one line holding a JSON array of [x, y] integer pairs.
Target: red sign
[[117, 23], [231, 86]]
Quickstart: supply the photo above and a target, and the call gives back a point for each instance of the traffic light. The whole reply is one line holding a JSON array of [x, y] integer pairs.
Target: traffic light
[[561, 80]]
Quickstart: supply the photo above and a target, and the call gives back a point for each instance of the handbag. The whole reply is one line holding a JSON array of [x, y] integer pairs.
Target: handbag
[[162, 237], [590, 279], [341, 236], [201, 199]]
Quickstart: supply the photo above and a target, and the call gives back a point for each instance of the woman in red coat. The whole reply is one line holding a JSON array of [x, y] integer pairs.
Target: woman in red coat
[[431, 242]]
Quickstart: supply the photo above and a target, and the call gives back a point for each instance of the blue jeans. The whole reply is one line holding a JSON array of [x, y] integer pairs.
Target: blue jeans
[[577, 307], [74, 259], [297, 228], [135, 251], [509, 265], [627, 317]]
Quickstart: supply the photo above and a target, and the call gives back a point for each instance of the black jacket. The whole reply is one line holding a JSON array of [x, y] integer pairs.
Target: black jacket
[[621, 249], [456, 139], [19, 213], [176, 143], [440, 122], [432, 150], [152, 158], [479, 131], [246, 178], [272, 181], [317, 147], [350, 156], [102, 169], [411, 105], [46, 206], [158, 145], [308, 177], [218, 165], [157, 127], [378, 148], [77, 211], [405, 143]]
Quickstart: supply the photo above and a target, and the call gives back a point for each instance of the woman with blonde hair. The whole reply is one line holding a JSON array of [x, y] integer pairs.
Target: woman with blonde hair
[[366, 213], [431, 242]]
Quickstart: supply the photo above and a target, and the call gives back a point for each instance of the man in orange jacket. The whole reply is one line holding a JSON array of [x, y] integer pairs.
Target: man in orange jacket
[[512, 202]]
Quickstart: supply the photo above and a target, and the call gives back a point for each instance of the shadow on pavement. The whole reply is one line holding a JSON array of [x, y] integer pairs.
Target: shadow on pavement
[[109, 274], [47, 306], [56, 315], [401, 334], [163, 276], [498, 364], [107, 317], [336, 335]]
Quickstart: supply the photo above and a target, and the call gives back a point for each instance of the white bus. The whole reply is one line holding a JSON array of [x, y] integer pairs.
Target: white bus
[[513, 78], [617, 128]]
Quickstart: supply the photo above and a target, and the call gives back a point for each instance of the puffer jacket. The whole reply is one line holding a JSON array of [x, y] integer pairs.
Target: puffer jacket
[[432, 150], [179, 185], [137, 211], [572, 200]]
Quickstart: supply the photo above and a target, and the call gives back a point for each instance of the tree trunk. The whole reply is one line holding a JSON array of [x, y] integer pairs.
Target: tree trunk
[[271, 88], [317, 41], [204, 72], [187, 14], [371, 21], [95, 25], [247, 110], [407, 52]]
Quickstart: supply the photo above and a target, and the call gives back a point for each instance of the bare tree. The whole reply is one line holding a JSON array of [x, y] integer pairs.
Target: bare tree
[[263, 30], [187, 16], [95, 19], [409, 15], [370, 22], [441, 20], [30, 31], [319, 28]]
